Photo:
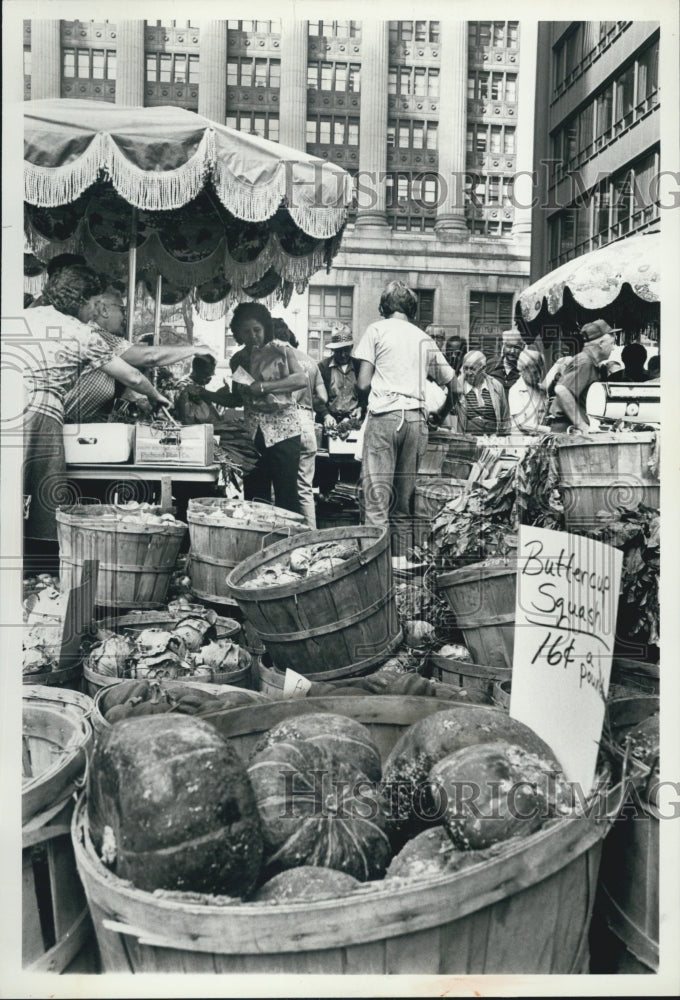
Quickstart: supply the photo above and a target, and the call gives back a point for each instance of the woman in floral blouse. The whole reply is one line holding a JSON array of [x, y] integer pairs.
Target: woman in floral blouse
[[270, 411]]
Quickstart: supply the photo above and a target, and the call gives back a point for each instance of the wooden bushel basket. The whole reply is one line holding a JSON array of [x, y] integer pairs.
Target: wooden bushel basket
[[217, 548], [136, 561], [333, 623], [475, 678], [56, 741], [524, 912], [629, 876], [600, 472], [482, 599]]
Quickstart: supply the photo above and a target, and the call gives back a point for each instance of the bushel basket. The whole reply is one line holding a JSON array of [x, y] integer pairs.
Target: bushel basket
[[526, 911], [136, 561], [337, 623], [244, 528]]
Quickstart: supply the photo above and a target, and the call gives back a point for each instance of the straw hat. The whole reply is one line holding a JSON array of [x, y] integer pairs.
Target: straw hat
[[340, 337]]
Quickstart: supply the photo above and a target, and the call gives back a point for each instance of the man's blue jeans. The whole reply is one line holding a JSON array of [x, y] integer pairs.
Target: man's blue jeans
[[394, 444]]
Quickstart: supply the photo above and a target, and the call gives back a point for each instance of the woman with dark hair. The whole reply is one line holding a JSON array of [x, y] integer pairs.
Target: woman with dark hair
[[270, 411], [59, 345]]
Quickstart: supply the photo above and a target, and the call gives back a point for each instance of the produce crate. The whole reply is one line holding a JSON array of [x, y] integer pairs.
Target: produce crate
[[165, 445], [97, 444]]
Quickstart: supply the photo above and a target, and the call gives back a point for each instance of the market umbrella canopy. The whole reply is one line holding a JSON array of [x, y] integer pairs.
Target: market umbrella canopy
[[622, 277], [216, 208]]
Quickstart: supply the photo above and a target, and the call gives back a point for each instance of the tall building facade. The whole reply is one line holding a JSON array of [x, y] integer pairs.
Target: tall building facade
[[596, 147], [432, 118]]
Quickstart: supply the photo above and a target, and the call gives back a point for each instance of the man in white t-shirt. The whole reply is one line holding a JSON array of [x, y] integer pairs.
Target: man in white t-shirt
[[395, 357]]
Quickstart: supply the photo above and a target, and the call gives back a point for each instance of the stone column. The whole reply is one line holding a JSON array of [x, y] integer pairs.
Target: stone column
[[524, 187], [45, 59], [130, 64], [540, 212], [212, 88], [293, 93], [373, 124], [451, 224]]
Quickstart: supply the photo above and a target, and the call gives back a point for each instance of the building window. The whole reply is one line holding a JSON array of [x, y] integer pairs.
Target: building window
[[414, 31], [263, 27], [259, 123], [333, 130], [334, 29], [425, 312], [247, 72], [334, 76], [88, 64], [648, 78], [490, 314], [328, 306]]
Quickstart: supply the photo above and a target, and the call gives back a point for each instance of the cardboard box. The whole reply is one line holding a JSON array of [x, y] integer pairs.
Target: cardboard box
[[191, 446], [97, 444], [338, 446]]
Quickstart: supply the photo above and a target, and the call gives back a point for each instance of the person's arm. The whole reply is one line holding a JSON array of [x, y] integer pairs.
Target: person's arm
[[503, 412], [365, 376], [148, 356], [296, 379], [319, 392], [133, 379]]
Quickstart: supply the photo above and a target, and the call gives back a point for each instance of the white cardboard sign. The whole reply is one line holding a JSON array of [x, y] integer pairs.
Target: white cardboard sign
[[565, 625], [295, 685]]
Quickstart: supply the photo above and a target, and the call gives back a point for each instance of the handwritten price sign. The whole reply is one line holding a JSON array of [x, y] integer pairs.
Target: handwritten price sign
[[565, 625]]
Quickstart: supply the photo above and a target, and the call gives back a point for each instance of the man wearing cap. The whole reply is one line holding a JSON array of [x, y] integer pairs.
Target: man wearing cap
[[568, 407], [339, 377], [504, 368]]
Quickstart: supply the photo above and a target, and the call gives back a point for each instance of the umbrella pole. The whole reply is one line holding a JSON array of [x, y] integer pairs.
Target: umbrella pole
[[132, 274], [157, 319]]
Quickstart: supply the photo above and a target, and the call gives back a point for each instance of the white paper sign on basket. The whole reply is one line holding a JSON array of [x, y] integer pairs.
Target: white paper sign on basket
[[295, 685], [565, 625]]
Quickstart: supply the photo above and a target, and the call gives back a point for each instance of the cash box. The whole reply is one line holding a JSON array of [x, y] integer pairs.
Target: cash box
[[157, 444], [98, 444]]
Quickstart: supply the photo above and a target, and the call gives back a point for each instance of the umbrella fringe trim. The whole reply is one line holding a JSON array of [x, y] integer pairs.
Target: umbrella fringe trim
[[317, 221], [44, 248], [158, 191], [34, 283], [48, 187]]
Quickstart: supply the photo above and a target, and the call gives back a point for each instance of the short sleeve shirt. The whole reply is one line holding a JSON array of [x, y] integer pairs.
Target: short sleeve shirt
[[403, 356], [57, 349], [577, 377], [277, 417]]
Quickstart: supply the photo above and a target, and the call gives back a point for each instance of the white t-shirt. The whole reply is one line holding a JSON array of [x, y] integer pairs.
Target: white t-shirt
[[403, 356]]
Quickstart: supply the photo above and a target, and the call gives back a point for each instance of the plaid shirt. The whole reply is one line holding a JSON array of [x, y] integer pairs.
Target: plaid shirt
[[94, 389], [58, 349]]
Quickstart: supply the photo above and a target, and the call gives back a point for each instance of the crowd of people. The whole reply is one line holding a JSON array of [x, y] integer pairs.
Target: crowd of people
[[378, 382]]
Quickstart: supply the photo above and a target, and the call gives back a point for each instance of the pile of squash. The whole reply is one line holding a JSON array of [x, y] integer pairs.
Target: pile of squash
[[314, 813]]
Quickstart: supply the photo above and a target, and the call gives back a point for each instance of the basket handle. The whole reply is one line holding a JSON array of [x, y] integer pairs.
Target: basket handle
[[269, 538]]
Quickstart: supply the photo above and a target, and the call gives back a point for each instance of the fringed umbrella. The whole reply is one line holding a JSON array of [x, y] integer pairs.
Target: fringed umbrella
[[619, 282], [169, 196]]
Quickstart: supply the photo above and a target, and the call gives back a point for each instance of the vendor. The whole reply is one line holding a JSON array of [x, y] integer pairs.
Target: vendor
[[568, 407], [504, 368], [527, 399], [54, 365], [482, 405], [270, 411], [339, 377], [395, 357], [90, 399], [308, 399]]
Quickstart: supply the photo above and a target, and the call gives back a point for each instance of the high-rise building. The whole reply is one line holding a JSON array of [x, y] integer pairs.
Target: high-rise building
[[431, 118], [596, 147]]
